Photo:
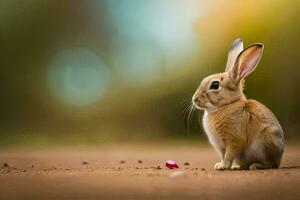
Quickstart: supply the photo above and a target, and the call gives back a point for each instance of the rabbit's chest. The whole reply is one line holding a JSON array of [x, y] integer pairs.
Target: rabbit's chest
[[214, 132]]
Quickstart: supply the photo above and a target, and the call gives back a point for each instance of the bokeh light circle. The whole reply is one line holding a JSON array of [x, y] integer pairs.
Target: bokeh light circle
[[169, 24], [78, 76]]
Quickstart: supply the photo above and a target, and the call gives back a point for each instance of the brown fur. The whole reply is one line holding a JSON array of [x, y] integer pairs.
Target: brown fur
[[241, 130]]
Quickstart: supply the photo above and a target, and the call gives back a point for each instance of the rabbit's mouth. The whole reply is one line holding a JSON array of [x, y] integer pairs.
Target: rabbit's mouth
[[199, 100], [202, 104], [198, 104]]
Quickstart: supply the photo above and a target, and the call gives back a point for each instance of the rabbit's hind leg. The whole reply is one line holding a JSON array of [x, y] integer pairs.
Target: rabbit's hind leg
[[273, 146]]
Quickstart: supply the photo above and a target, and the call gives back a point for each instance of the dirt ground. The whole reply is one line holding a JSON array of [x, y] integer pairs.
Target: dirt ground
[[139, 172]]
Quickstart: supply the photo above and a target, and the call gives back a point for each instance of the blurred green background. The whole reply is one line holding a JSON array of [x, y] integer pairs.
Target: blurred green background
[[92, 72]]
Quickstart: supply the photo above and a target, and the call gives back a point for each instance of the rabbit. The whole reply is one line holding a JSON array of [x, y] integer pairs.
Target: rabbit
[[242, 131]]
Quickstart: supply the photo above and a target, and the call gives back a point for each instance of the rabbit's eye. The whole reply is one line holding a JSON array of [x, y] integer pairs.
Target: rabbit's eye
[[214, 85]]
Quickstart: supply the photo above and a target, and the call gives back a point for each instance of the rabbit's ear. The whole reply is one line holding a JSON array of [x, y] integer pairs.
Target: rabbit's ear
[[246, 62], [235, 49]]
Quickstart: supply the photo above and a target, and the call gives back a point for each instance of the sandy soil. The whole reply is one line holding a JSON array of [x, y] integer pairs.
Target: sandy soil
[[131, 172]]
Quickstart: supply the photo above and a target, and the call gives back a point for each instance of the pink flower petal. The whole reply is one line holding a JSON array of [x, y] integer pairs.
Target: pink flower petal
[[171, 164]]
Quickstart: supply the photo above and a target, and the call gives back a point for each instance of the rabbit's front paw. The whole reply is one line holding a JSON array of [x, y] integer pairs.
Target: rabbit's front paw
[[236, 167], [221, 166]]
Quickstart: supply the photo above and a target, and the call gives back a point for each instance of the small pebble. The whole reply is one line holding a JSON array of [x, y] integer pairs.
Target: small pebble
[[122, 162], [202, 169], [158, 167], [186, 163], [5, 165], [140, 162], [85, 163]]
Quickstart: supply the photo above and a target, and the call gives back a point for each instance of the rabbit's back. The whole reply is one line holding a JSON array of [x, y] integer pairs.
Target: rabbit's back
[[260, 117]]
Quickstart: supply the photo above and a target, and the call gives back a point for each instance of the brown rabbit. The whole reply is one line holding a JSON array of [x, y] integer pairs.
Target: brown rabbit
[[241, 130]]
